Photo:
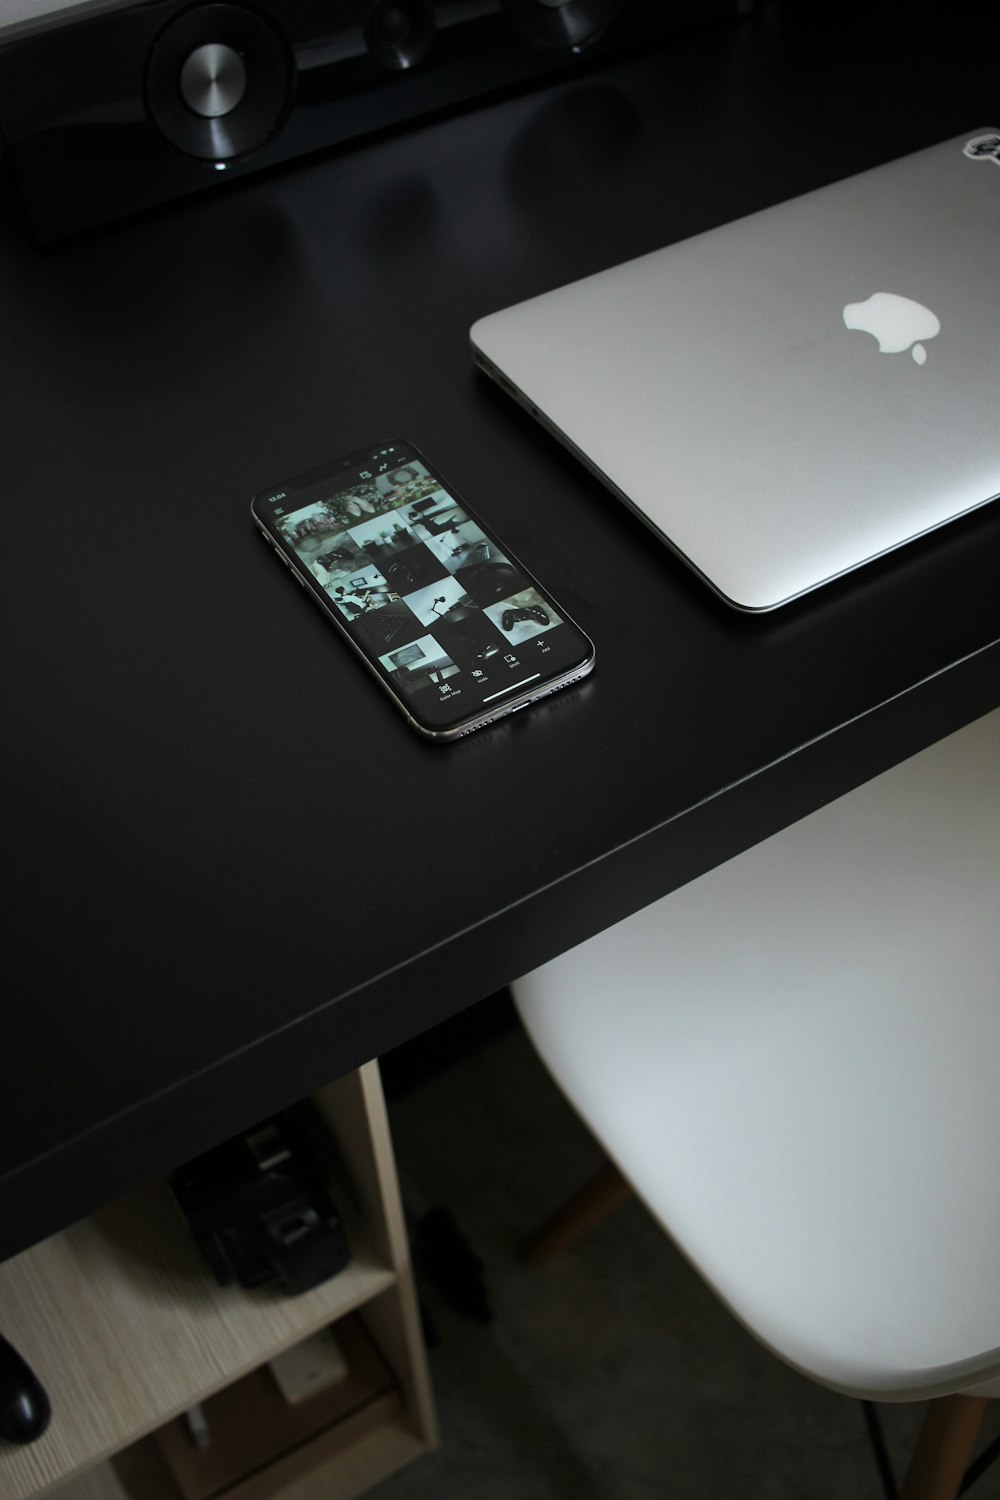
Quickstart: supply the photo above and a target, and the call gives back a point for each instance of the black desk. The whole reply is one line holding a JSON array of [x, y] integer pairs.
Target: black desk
[[234, 872]]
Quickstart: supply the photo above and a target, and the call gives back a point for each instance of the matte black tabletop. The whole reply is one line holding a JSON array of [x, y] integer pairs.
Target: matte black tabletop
[[233, 872]]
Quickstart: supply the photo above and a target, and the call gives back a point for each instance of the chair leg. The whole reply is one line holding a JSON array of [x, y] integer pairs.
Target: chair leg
[[944, 1448], [605, 1191]]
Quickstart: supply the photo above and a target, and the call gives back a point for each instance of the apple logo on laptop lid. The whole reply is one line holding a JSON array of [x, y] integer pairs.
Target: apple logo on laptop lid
[[897, 323]]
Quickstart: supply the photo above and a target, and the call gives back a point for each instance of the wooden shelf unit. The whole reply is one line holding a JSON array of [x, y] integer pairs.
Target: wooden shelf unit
[[124, 1326]]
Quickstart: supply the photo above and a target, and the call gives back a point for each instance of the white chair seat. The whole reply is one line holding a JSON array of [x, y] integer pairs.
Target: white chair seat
[[796, 1061]]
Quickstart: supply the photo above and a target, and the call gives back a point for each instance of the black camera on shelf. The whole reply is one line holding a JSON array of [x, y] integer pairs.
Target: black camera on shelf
[[258, 1206]]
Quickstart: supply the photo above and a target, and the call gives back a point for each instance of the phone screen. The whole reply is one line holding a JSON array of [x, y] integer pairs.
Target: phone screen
[[456, 629]]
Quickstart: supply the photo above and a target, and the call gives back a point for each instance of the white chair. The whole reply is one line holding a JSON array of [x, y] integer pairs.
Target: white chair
[[795, 1061]]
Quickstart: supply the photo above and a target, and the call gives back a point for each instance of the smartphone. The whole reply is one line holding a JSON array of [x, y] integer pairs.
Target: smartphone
[[456, 630]]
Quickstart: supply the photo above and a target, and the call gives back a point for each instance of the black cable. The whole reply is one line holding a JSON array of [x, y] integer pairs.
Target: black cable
[[881, 1453], [978, 1469]]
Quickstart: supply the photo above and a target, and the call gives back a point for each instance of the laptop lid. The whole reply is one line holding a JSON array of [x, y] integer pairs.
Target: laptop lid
[[789, 396]]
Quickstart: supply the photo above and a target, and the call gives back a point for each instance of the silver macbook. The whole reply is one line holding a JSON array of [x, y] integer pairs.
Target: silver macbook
[[792, 395]]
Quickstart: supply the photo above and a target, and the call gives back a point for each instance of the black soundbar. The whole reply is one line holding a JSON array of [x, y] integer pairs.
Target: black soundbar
[[106, 112]]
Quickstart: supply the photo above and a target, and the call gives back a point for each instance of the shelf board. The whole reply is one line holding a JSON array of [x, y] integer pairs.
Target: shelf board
[[374, 1457], [258, 1441], [367, 1462], [124, 1326], [101, 1483]]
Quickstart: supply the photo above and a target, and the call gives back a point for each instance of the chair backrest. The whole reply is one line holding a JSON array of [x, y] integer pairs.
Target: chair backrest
[[796, 1061]]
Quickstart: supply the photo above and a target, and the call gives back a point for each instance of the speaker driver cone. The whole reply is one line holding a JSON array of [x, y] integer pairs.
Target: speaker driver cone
[[213, 80], [560, 25], [218, 81], [398, 33]]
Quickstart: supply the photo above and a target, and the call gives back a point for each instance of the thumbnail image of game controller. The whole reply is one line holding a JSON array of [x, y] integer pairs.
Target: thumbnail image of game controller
[[529, 612]]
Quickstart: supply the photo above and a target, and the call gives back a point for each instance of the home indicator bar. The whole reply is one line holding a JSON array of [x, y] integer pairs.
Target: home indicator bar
[[512, 687]]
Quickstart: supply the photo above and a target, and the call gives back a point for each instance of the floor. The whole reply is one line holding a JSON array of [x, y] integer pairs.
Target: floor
[[611, 1373]]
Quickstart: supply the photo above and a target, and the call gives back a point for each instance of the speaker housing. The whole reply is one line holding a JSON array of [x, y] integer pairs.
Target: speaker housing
[[107, 112]]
